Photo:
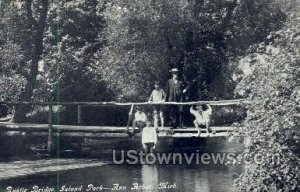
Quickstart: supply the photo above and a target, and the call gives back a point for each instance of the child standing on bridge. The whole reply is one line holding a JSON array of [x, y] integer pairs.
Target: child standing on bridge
[[202, 117], [158, 95]]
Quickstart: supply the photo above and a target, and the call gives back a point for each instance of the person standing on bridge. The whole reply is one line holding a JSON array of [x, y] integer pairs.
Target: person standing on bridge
[[158, 95], [175, 93]]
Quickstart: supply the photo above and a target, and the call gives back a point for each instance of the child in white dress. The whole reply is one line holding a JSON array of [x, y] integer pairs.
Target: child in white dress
[[202, 117], [149, 138]]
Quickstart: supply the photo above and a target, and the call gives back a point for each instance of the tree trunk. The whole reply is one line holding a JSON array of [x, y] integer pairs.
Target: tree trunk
[[38, 29]]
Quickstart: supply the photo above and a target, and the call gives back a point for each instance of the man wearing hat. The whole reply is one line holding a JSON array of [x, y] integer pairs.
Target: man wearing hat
[[174, 90]]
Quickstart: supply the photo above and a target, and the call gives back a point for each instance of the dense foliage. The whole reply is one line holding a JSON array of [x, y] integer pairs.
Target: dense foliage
[[271, 80], [108, 50], [47, 50], [95, 50], [145, 39], [12, 57]]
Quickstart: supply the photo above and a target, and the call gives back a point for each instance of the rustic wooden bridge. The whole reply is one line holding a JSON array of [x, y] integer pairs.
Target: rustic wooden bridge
[[51, 130]]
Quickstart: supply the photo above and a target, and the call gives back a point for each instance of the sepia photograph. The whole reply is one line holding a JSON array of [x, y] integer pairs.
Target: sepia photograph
[[149, 95]]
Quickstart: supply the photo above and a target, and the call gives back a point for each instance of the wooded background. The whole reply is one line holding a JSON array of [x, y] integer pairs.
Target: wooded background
[[88, 50], [103, 50]]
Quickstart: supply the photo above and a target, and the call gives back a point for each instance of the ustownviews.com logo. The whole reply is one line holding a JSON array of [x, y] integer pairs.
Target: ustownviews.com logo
[[217, 158]]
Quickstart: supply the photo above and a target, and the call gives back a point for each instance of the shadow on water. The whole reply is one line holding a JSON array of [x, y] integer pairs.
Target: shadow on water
[[24, 165]]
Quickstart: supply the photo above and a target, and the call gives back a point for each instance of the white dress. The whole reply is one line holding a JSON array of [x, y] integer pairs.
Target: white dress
[[149, 135], [203, 117]]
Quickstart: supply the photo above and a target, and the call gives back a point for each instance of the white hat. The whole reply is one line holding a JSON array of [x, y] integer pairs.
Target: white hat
[[174, 70]]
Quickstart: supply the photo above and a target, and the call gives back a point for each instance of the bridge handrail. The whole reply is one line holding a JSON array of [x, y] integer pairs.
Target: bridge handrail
[[113, 103]]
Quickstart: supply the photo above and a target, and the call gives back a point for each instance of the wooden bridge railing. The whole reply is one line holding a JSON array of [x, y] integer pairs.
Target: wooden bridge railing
[[111, 103]]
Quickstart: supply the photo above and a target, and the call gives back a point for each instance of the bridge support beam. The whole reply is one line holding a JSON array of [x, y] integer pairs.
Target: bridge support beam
[[50, 130], [79, 111]]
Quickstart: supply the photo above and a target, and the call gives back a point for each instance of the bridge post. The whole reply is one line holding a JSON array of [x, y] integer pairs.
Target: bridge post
[[129, 117], [50, 127], [79, 119]]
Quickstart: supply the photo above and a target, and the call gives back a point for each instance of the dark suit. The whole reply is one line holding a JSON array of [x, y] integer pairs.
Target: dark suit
[[174, 94], [174, 90]]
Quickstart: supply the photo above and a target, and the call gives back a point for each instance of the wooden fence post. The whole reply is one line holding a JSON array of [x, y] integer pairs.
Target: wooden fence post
[[129, 117], [79, 119], [50, 127]]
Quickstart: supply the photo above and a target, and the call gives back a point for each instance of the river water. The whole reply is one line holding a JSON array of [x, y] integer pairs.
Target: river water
[[44, 174]]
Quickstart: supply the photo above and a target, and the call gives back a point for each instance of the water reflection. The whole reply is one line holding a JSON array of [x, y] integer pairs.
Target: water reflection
[[204, 178], [150, 176], [199, 177], [194, 177]]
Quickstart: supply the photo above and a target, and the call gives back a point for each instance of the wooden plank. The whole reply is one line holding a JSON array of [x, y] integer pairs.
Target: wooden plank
[[113, 103], [27, 127], [83, 135], [188, 135], [193, 135], [30, 127], [225, 128], [161, 135], [101, 131]]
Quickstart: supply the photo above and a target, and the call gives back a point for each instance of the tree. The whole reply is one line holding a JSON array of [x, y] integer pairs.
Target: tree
[[36, 16], [49, 50], [107, 50], [74, 79], [145, 39], [270, 77], [11, 52]]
